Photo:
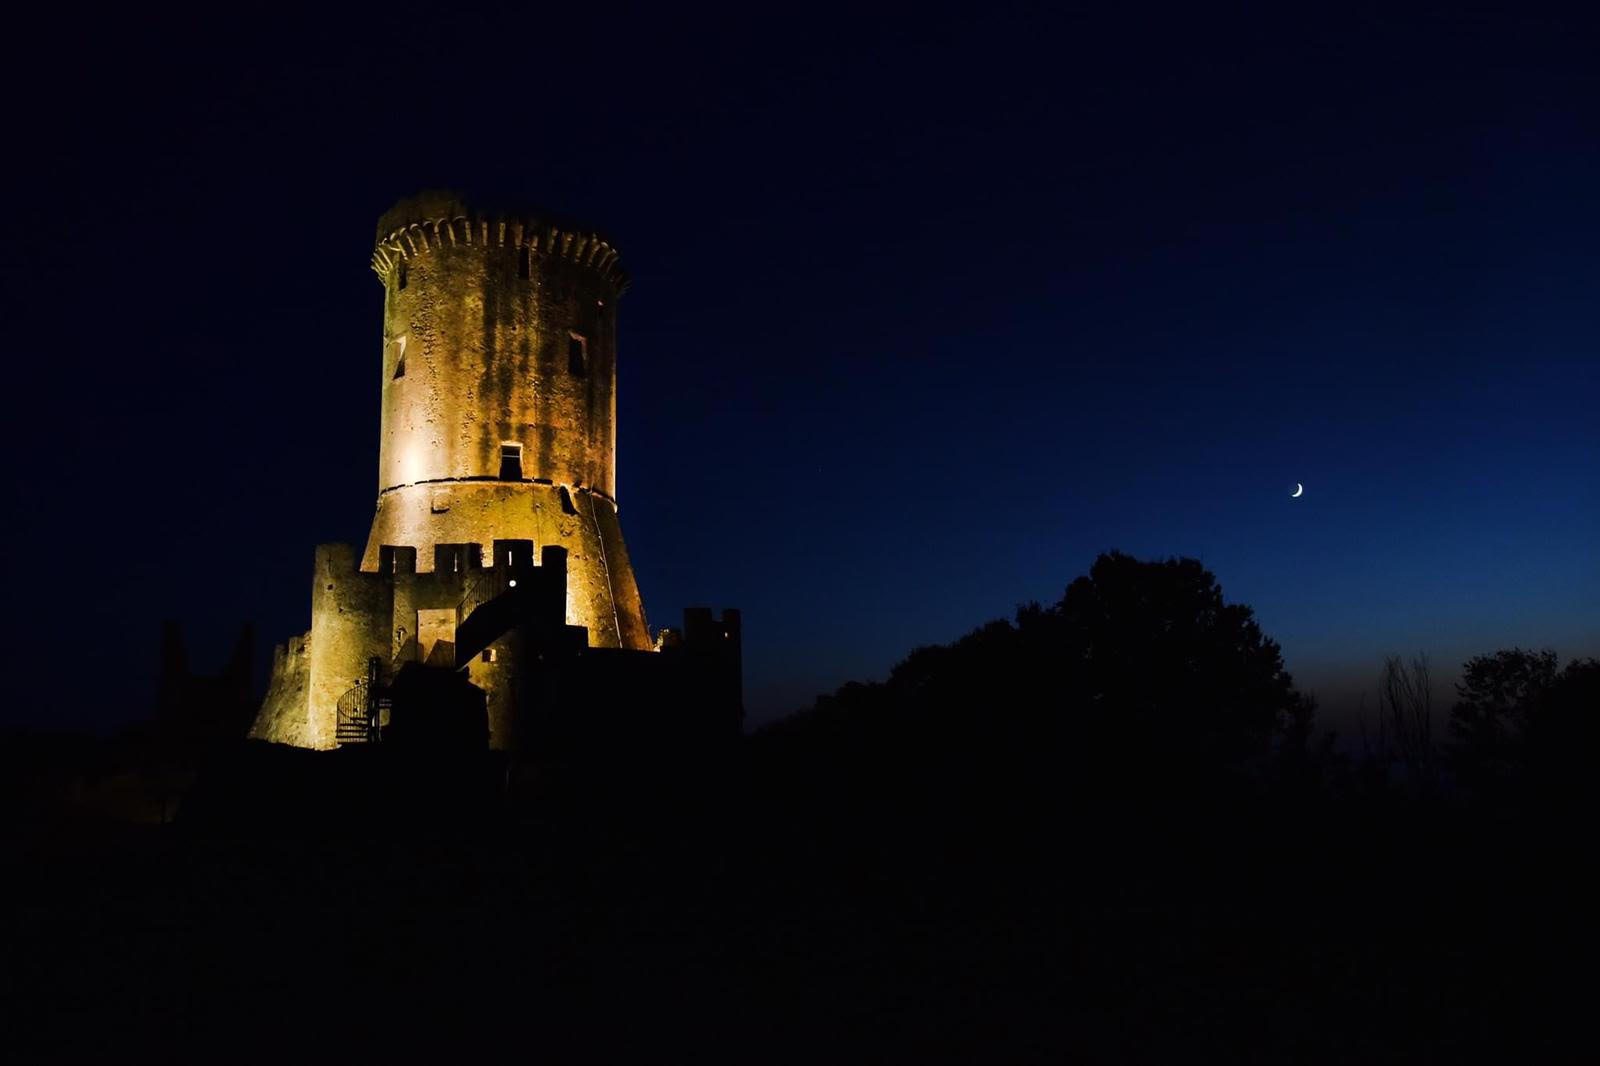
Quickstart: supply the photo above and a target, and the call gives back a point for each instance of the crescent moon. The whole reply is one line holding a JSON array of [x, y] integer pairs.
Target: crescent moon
[[1298, 489]]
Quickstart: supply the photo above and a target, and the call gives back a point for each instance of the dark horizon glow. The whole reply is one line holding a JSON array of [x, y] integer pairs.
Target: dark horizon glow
[[926, 313]]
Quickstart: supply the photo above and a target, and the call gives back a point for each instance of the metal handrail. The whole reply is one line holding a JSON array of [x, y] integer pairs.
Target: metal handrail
[[361, 707]]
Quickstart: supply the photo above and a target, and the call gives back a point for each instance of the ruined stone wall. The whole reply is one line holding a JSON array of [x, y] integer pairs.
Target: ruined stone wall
[[282, 718]]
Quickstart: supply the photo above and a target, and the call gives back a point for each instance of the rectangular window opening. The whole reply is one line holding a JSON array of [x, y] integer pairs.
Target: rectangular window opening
[[524, 262], [400, 276], [510, 462], [577, 350]]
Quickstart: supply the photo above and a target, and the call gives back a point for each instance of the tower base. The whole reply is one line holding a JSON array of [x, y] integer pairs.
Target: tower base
[[602, 593]]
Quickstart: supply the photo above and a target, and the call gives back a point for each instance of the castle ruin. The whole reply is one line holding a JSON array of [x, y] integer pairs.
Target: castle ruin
[[495, 552]]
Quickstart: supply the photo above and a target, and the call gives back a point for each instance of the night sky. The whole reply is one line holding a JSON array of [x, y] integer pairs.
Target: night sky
[[927, 311]]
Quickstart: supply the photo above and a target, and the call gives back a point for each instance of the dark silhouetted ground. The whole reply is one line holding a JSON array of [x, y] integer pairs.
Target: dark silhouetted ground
[[787, 909]]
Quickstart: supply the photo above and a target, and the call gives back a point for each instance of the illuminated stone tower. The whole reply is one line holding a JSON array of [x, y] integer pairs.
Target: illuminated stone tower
[[495, 555], [499, 398]]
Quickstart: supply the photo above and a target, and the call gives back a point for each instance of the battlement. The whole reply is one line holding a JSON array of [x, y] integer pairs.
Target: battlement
[[417, 225]]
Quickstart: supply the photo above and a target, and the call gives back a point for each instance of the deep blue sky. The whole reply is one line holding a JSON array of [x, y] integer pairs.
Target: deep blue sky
[[928, 309]]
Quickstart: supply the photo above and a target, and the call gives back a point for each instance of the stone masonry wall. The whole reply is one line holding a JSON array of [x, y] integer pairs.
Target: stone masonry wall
[[282, 718]]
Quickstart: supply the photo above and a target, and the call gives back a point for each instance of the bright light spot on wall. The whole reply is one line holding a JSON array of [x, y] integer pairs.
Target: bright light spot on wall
[[410, 466]]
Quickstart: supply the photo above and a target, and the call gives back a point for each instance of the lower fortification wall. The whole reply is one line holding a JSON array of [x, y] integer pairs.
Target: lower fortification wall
[[506, 626], [359, 615]]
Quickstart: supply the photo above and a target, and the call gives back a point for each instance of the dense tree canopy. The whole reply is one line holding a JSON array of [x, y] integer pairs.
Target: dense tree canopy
[[1521, 719], [1135, 660]]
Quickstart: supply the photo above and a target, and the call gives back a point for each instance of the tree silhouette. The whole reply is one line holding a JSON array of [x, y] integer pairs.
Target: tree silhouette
[[1519, 720], [1157, 656], [1138, 662], [1402, 735]]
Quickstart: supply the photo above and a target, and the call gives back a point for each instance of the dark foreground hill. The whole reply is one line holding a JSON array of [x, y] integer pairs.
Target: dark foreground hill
[[776, 912]]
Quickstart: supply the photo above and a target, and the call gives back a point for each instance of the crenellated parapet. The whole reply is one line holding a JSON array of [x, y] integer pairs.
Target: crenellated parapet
[[408, 234]]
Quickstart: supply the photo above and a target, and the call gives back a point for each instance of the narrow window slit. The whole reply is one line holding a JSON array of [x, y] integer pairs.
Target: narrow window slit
[[510, 462]]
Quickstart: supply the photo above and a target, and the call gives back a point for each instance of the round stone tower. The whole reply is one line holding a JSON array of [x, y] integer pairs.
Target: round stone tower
[[499, 388]]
